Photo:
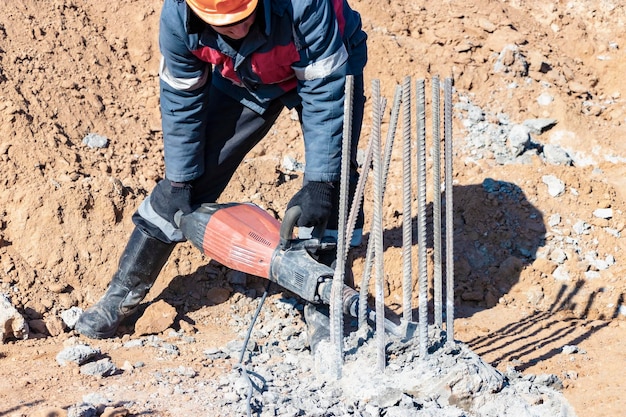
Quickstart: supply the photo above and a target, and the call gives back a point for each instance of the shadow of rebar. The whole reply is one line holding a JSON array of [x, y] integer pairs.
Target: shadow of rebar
[[26, 406], [525, 341]]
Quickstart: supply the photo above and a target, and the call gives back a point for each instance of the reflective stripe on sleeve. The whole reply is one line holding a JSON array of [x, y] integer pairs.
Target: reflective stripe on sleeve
[[323, 68], [182, 84]]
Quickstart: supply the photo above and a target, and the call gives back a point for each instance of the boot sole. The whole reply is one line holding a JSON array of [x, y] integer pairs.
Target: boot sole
[[92, 334]]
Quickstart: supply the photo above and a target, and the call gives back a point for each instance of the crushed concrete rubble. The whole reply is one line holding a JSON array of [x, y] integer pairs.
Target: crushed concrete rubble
[[279, 377]]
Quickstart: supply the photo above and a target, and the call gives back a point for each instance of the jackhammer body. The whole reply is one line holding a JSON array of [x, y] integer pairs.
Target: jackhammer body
[[246, 238]]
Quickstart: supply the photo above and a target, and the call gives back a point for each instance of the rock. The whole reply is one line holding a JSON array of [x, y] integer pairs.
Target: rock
[[218, 295], [103, 367], [82, 410], [561, 273], [78, 354], [554, 220], [487, 25], [54, 325], [519, 138], [605, 213], [93, 140], [556, 187], [556, 155], [581, 227], [511, 60], [544, 266], [70, 316], [158, 317], [558, 256], [538, 126], [535, 295], [545, 99], [187, 327], [291, 164], [12, 323]]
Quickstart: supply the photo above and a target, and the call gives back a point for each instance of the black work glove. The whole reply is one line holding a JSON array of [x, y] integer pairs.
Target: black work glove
[[315, 200], [168, 197]]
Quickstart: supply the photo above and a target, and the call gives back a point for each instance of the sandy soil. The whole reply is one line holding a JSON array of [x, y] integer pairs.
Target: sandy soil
[[69, 68]]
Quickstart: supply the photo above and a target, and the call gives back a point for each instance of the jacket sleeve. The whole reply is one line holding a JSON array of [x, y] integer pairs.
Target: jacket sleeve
[[184, 85], [321, 74]]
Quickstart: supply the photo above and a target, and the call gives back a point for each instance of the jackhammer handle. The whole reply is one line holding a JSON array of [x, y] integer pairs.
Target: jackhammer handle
[[290, 221], [292, 215]]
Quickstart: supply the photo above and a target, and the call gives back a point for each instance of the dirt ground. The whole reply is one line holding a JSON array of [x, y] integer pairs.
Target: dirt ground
[[69, 68]]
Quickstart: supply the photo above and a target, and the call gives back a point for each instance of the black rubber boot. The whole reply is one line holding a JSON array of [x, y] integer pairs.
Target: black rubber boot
[[139, 267], [317, 321]]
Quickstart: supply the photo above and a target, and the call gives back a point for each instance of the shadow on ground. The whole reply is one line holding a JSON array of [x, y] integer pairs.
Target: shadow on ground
[[497, 232], [541, 336]]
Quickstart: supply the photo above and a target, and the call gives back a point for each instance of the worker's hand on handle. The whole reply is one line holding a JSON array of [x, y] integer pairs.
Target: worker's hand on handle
[[315, 199], [168, 197]]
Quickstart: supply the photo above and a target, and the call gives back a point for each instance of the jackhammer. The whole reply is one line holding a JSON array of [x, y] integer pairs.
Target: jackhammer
[[244, 237]]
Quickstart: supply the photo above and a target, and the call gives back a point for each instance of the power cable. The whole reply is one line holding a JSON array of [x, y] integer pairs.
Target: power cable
[[240, 365]]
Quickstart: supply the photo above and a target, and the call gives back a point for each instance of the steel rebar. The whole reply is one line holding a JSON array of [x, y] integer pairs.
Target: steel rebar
[[449, 210], [336, 316], [377, 231], [387, 161], [436, 149], [407, 219], [421, 204]]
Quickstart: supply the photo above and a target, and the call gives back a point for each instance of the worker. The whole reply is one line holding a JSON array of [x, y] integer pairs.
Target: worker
[[227, 71]]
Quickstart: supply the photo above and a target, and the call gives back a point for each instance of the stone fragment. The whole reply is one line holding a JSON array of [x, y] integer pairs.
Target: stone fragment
[[291, 164], [70, 316], [103, 367], [187, 327], [218, 295], [54, 325], [545, 99], [558, 256], [561, 273], [82, 410], [512, 61], [556, 155], [554, 220], [78, 354], [158, 317], [538, 126], [93, 140], [603, 213], [544, 266], [569, 349], [519, 138], [487, 25], [556, 187], [581, 227], [12, 323]]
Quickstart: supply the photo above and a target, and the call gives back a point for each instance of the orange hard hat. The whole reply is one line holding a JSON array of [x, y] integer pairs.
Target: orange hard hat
[[222, 12]]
